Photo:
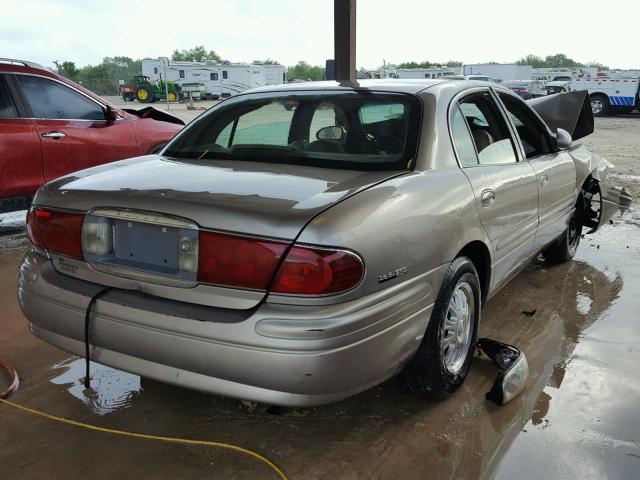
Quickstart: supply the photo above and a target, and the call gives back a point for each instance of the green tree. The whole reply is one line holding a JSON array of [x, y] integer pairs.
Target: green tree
[[532, 60], [304, 71], [270, 61], [67, 69], [195, 54]]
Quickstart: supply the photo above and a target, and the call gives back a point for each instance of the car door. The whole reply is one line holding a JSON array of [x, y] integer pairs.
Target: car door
[[20, 155], [72, 127], [555, 170], [505, 188]]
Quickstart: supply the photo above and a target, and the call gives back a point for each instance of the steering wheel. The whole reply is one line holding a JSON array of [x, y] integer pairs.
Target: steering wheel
[[387, 143]]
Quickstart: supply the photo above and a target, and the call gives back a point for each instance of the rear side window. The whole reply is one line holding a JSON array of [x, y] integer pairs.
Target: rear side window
[[462, 139], [488, 129], [7, 107], [181, 73], [49, 99], [224, 74]]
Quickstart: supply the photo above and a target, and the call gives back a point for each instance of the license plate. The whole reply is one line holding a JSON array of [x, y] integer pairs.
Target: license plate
[[146, 246]]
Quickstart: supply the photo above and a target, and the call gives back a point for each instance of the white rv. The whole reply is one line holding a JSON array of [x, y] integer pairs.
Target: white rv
[[219, 79]]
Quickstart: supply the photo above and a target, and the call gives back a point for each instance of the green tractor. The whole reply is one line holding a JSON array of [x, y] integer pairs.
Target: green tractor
[[147, 91]]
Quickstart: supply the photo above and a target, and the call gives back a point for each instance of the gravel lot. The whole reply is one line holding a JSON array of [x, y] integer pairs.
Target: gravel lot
[[577, 418]]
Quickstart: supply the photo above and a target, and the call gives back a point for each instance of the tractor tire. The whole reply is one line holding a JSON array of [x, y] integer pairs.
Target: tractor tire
[[600, 105], [172, 96], [144, 94]]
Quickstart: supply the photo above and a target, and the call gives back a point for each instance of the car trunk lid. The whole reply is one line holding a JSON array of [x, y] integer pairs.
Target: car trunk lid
[[254, 198]]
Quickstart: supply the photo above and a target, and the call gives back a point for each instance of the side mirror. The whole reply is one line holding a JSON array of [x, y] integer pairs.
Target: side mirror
[[334, 133], [563, 139], [112, 114], [514, 370]]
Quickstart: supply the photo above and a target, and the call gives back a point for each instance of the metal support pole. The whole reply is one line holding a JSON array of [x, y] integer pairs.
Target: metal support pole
[[166, 85], [344, 36]]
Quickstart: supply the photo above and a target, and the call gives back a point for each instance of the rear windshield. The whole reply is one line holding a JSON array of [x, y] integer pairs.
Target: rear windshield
[[354, 130]]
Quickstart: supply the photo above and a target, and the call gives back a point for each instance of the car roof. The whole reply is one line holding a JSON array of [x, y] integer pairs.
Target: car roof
[[10, 65], [384, 84]]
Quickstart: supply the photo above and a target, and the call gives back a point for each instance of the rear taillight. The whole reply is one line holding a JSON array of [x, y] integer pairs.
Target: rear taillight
[[244, 262], [316, 271], [55, 231], [238, 261]]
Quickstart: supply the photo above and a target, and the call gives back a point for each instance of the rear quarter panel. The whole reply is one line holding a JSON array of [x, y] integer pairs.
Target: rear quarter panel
[[415, 223]]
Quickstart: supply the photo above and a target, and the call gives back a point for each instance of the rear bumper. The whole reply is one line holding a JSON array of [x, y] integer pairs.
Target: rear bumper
[[278, 354]]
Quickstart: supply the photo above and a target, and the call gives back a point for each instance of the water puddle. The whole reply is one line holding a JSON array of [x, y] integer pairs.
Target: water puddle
[[110, 390]]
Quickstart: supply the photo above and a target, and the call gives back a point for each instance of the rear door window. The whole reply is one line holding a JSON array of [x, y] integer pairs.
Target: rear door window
[[52, 100], [7, 106], [489, 130]]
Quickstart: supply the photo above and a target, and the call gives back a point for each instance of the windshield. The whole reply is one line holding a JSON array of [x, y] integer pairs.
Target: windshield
[[355, 130]]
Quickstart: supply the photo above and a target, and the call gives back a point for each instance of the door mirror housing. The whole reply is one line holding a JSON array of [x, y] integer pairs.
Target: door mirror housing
[[563, 139], [111, 114]]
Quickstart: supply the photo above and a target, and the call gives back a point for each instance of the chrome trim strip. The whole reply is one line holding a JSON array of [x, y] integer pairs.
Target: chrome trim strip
[[142, 276], [143, 217]]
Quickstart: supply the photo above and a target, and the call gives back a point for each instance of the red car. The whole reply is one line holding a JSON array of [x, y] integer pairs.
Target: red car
[[50, 126]]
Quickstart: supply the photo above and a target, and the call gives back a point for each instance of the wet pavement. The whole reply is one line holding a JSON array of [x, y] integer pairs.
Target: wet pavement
[[579, 416]]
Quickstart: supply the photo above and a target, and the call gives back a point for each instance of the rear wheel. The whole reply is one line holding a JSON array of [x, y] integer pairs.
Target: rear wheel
[[565, 248], [599, 105], [442, 361], [144, 94]]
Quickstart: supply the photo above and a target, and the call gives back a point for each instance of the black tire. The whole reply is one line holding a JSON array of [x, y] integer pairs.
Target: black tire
[[427, 374], [600, 105], [565, 248], [143, 97]]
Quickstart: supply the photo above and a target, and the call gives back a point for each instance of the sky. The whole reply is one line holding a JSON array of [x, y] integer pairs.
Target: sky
[[85, 31]]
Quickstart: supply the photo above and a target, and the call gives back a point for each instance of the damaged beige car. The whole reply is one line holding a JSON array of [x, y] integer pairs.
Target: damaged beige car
[[299, 244]]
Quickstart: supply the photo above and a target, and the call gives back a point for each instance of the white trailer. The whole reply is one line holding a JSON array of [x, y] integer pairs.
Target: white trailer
[[610, 95], [389, 72], [499, 71], [219, 79]]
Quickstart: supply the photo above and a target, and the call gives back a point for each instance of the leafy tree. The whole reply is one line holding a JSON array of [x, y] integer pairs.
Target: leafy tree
[[304, 71], [67, 69], [270, 61], [559, 60], [532, 60], [428, 64], [195, 54]]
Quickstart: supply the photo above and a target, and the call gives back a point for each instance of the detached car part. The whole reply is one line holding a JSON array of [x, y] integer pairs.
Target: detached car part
[[514, 370]]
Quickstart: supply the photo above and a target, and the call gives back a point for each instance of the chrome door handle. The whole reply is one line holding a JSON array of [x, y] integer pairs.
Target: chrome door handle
[[543, 180], [54, 135], [488, 198]]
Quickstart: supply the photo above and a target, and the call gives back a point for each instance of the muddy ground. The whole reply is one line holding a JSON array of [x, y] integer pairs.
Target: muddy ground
[[578, 417]]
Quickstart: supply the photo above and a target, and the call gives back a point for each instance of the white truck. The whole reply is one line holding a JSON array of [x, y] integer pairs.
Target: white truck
[[609, 96], [219, 79]]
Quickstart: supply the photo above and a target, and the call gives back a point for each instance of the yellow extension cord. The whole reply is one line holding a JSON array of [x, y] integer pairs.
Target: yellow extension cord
[[184, 441]]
